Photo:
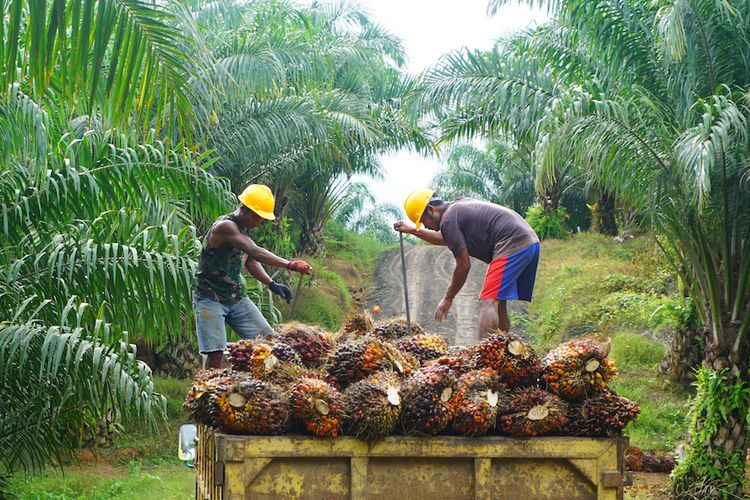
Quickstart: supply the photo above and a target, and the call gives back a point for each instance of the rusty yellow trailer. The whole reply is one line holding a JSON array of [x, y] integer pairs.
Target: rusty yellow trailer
[[399, 467]]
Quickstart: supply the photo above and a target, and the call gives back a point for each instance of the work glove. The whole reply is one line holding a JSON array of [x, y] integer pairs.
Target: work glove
[[281, 290], [299, 266]]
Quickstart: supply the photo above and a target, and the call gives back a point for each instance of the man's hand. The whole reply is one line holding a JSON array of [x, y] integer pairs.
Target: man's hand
[[442, 310], [403, 227], [299, 266], [281, 290]]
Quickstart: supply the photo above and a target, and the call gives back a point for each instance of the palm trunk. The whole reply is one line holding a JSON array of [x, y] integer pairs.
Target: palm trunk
[[603, 215], [714, 466], [683, 355]]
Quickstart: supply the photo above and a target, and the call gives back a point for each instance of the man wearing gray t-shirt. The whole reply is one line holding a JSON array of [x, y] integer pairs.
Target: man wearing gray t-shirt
[[491, 233]]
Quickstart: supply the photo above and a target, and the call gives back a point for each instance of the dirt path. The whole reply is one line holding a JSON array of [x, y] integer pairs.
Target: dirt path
[[429, 271]]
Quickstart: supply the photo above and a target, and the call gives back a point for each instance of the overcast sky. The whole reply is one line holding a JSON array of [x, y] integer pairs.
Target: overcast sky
[[429, 29]]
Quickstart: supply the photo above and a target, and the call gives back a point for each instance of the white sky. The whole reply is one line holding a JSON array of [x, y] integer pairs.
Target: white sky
[[429, 29]]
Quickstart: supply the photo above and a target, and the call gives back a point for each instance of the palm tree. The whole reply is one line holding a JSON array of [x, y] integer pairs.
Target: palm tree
[[97, 237], [666, 130]]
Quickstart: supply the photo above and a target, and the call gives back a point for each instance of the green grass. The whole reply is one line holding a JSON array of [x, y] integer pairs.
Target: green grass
[[590, 284]]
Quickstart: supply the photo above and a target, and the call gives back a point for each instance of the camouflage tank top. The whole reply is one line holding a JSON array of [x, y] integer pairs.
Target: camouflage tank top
[[218, 277]]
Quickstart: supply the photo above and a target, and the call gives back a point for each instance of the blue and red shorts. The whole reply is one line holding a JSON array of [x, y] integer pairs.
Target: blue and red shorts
[[511, 277]]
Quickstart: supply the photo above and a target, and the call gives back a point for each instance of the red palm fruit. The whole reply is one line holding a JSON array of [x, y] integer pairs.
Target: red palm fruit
[[476, 402], [312, 345], [531, 412], [373, 406], [578, 370], [250, 406], [396, 328], [426, 403], [510, 356], [318, 406], [240, 354], [424, 347], [604, 415]]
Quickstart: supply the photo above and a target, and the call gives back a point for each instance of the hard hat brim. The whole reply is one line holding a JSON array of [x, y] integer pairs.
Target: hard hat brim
[[265, 215]]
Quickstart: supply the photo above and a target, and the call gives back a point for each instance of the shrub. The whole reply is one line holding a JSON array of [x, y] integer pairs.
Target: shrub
[[547, 225]]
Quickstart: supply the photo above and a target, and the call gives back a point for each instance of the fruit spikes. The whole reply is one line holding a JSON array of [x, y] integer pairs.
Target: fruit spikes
[[510, 356], [605, 415], [318, 406], [250, 406], [476, 402], [427, 393], [312, 345], [396, 328], [197, 405], [373, 406], [531, 412], [578, 370], [424, 347], [358, 359]]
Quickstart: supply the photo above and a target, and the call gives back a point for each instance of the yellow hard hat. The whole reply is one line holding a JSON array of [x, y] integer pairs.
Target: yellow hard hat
[[259, 199], [415, 204]]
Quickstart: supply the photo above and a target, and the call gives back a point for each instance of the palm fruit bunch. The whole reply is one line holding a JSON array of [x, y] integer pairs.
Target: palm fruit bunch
[[358, 323], [396, 328], [312, 345], [578, 370], [318, 406], [197, 405], [261, 359], [426, 402], [424, 347], [355, 360], [476, 402], [605, 415], [250, 406], [531, 412], [373, 406], [460, 360], [510, 356]]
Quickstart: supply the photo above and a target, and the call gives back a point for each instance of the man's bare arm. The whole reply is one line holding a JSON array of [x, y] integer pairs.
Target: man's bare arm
[[227, 233], [257, 271], [431, 237], [460, 273]]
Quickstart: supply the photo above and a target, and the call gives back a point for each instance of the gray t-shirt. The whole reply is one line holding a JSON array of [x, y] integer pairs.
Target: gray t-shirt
[[486, 230]]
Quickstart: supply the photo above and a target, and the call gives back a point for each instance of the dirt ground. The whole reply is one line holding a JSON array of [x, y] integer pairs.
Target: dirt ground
[[428, 273]]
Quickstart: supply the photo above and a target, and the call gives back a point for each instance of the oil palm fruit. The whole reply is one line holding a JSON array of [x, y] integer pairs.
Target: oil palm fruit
[[312, 345], [373, 406], [605, 415], [240, 354], [318, 406], [197, 405], [460, 360], [355, 360], [476, 402], [426, 402], [250, 406], [396, 328], [578, 370], [424, 347], [510, 356], [531, 412]]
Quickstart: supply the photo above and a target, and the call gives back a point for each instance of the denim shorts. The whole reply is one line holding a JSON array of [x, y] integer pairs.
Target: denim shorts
[[211, 317]]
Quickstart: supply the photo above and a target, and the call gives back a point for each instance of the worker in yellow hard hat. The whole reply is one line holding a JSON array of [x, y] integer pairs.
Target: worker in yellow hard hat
[[219, 297], [486, 231]]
